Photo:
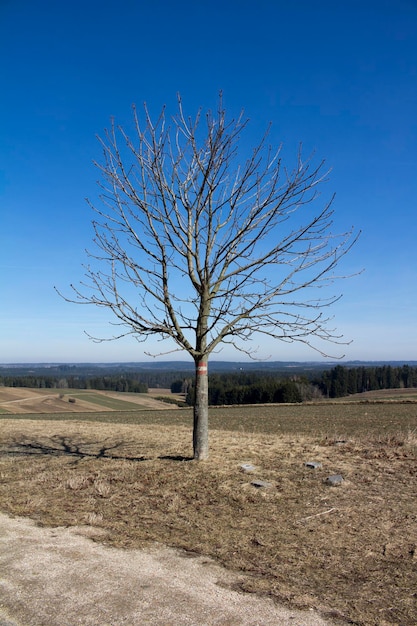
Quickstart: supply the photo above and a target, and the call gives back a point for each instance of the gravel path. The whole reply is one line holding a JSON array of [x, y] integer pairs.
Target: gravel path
[[61, 577]]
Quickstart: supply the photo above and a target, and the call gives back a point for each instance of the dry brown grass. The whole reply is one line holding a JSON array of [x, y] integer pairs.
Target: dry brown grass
[[348, 550]]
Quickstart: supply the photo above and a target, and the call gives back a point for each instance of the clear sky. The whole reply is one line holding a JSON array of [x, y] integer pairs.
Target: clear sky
[[338, 76]]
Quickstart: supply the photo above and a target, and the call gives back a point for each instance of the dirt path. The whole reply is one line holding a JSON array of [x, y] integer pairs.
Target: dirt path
[[61, 577]]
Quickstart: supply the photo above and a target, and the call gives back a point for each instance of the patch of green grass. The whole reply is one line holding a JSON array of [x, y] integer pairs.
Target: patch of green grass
[[171, 400], [106, 401]]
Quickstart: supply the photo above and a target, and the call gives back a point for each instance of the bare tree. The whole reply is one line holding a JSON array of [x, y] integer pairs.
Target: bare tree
[[195, 248]]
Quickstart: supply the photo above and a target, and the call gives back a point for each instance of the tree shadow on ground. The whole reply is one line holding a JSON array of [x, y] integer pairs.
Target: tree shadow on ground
[[175, 457], [60, 446]]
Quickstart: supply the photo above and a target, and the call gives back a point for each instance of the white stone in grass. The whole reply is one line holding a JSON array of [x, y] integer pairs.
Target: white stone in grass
[[247, 467]]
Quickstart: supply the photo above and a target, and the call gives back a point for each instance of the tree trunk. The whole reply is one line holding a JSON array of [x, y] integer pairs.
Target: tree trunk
[[200, 432]]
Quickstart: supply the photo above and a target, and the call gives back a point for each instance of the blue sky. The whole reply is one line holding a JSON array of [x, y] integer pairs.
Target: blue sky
[[340, 77]]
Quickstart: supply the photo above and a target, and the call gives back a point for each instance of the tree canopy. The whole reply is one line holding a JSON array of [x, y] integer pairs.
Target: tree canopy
[[204, 246]]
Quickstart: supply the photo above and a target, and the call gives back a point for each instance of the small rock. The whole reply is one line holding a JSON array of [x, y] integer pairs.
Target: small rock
[[313, 465], [259, 484], [334, 481], [247, 467]]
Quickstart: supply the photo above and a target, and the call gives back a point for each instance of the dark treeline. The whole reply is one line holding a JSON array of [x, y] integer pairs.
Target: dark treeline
[[130, 381], [344, 381], [263, 388], [250, 387], [105, 383]]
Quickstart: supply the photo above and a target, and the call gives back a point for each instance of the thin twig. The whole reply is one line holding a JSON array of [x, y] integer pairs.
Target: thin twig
[[304, 519]]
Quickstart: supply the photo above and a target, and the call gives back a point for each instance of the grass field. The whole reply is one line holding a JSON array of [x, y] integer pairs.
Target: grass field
[[349, 551], [22, 400]]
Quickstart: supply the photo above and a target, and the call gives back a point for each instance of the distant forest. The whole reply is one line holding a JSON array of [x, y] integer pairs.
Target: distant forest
[[343, 381], [243, 387], [340, 381]]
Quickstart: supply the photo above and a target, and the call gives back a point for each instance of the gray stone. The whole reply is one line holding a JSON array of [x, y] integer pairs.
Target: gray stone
[[313, 465], [247, 467], [261, 484], [334, 481]]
